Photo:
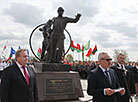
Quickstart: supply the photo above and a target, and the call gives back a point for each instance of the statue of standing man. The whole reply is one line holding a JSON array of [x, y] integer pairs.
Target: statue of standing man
[[57, 36]]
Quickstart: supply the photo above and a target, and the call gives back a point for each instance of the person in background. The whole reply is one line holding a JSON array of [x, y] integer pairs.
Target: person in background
[[18, 82], [102, 81], [134, 70], [1, 67], [125, 78]]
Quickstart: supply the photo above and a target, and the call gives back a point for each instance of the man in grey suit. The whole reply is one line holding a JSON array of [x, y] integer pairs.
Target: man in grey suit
[[102, 81], [18, 83]]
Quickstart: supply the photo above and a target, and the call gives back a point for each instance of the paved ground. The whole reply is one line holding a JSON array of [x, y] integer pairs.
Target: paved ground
[[86, 97]]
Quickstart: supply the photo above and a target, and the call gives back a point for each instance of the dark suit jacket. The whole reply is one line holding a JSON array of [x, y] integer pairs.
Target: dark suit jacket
[[135, 74], [128, 77], [97, 82], [14, 87]]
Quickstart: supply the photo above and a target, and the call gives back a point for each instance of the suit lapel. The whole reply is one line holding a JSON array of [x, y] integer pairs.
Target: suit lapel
[[31, 74], [103, 75], [111, 76], [20, 75]]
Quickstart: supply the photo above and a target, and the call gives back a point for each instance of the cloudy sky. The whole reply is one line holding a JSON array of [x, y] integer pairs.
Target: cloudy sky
[[111, 24]]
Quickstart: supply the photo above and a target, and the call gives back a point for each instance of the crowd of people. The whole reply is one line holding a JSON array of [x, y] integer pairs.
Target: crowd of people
[[126, 73], [112, 83], [84, 67], [121, 75]]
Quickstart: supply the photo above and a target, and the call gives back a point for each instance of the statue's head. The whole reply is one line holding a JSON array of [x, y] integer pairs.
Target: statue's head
[[60, 11]]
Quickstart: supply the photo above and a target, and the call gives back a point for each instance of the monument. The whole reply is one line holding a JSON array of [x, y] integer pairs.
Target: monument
[[55, 82]]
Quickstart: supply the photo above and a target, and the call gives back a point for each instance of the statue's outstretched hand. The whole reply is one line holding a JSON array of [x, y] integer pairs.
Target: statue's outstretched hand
[[78, 15]]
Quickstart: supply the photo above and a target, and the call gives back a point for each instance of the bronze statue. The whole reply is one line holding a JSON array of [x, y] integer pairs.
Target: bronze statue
[[46, 31], [57, 35]]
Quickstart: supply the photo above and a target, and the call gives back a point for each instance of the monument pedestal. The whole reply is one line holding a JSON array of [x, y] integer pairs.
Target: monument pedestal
[[46, 67], [57, 85]]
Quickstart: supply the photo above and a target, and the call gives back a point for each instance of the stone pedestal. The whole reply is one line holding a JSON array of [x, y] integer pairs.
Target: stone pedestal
[[57, 85], [46, 67]]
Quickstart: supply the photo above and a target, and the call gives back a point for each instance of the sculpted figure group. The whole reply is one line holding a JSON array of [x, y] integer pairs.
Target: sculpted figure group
[[53, 33]]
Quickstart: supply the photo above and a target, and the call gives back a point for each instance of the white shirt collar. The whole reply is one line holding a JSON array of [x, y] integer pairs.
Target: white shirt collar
[[120, 65], [18, 64], [103, 68], [137, 67]]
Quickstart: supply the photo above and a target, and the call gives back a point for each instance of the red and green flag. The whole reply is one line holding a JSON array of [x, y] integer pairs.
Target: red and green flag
[[94, 50], [73, 47], [78, 47], [39, 52], [87, 46], [3, 51], [4, 47], [89, 52]]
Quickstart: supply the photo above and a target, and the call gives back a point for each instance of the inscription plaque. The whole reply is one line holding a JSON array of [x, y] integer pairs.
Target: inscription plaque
[[59, 86]]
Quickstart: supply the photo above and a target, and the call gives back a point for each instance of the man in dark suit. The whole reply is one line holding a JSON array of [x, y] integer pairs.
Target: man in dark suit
[[135, 75], [18, 83], [102, 81], [125, 78]]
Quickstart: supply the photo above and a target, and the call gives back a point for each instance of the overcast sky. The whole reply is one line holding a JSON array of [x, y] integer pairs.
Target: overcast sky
[[111, 24]]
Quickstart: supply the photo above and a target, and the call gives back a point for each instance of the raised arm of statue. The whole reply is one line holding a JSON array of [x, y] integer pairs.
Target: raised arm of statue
[[73, 20]]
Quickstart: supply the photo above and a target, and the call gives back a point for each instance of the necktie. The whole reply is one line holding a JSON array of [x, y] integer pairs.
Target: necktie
[[124, 71], [122, 66], [26, 75], [106, 72]]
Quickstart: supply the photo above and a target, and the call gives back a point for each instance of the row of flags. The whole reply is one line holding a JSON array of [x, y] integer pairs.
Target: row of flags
[[78, 48], [12, 52], [84, 48]]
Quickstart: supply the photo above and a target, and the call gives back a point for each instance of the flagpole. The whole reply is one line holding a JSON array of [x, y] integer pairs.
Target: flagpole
[[73, 55], [89, 58], [78, 56], [82, 52], [92, 58]]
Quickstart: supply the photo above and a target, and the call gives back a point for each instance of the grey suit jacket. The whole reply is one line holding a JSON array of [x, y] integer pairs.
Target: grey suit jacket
[[14, 87]]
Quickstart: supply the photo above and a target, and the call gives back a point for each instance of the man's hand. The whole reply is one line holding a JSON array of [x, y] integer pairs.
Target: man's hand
[[132, 94], [122, 91], [109, 91]]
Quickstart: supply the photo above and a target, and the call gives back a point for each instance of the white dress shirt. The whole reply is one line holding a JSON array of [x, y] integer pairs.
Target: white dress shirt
[[21, 69]]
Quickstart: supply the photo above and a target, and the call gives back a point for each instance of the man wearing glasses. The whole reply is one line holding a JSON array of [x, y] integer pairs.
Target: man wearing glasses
[[103, 82], [125, 78]]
